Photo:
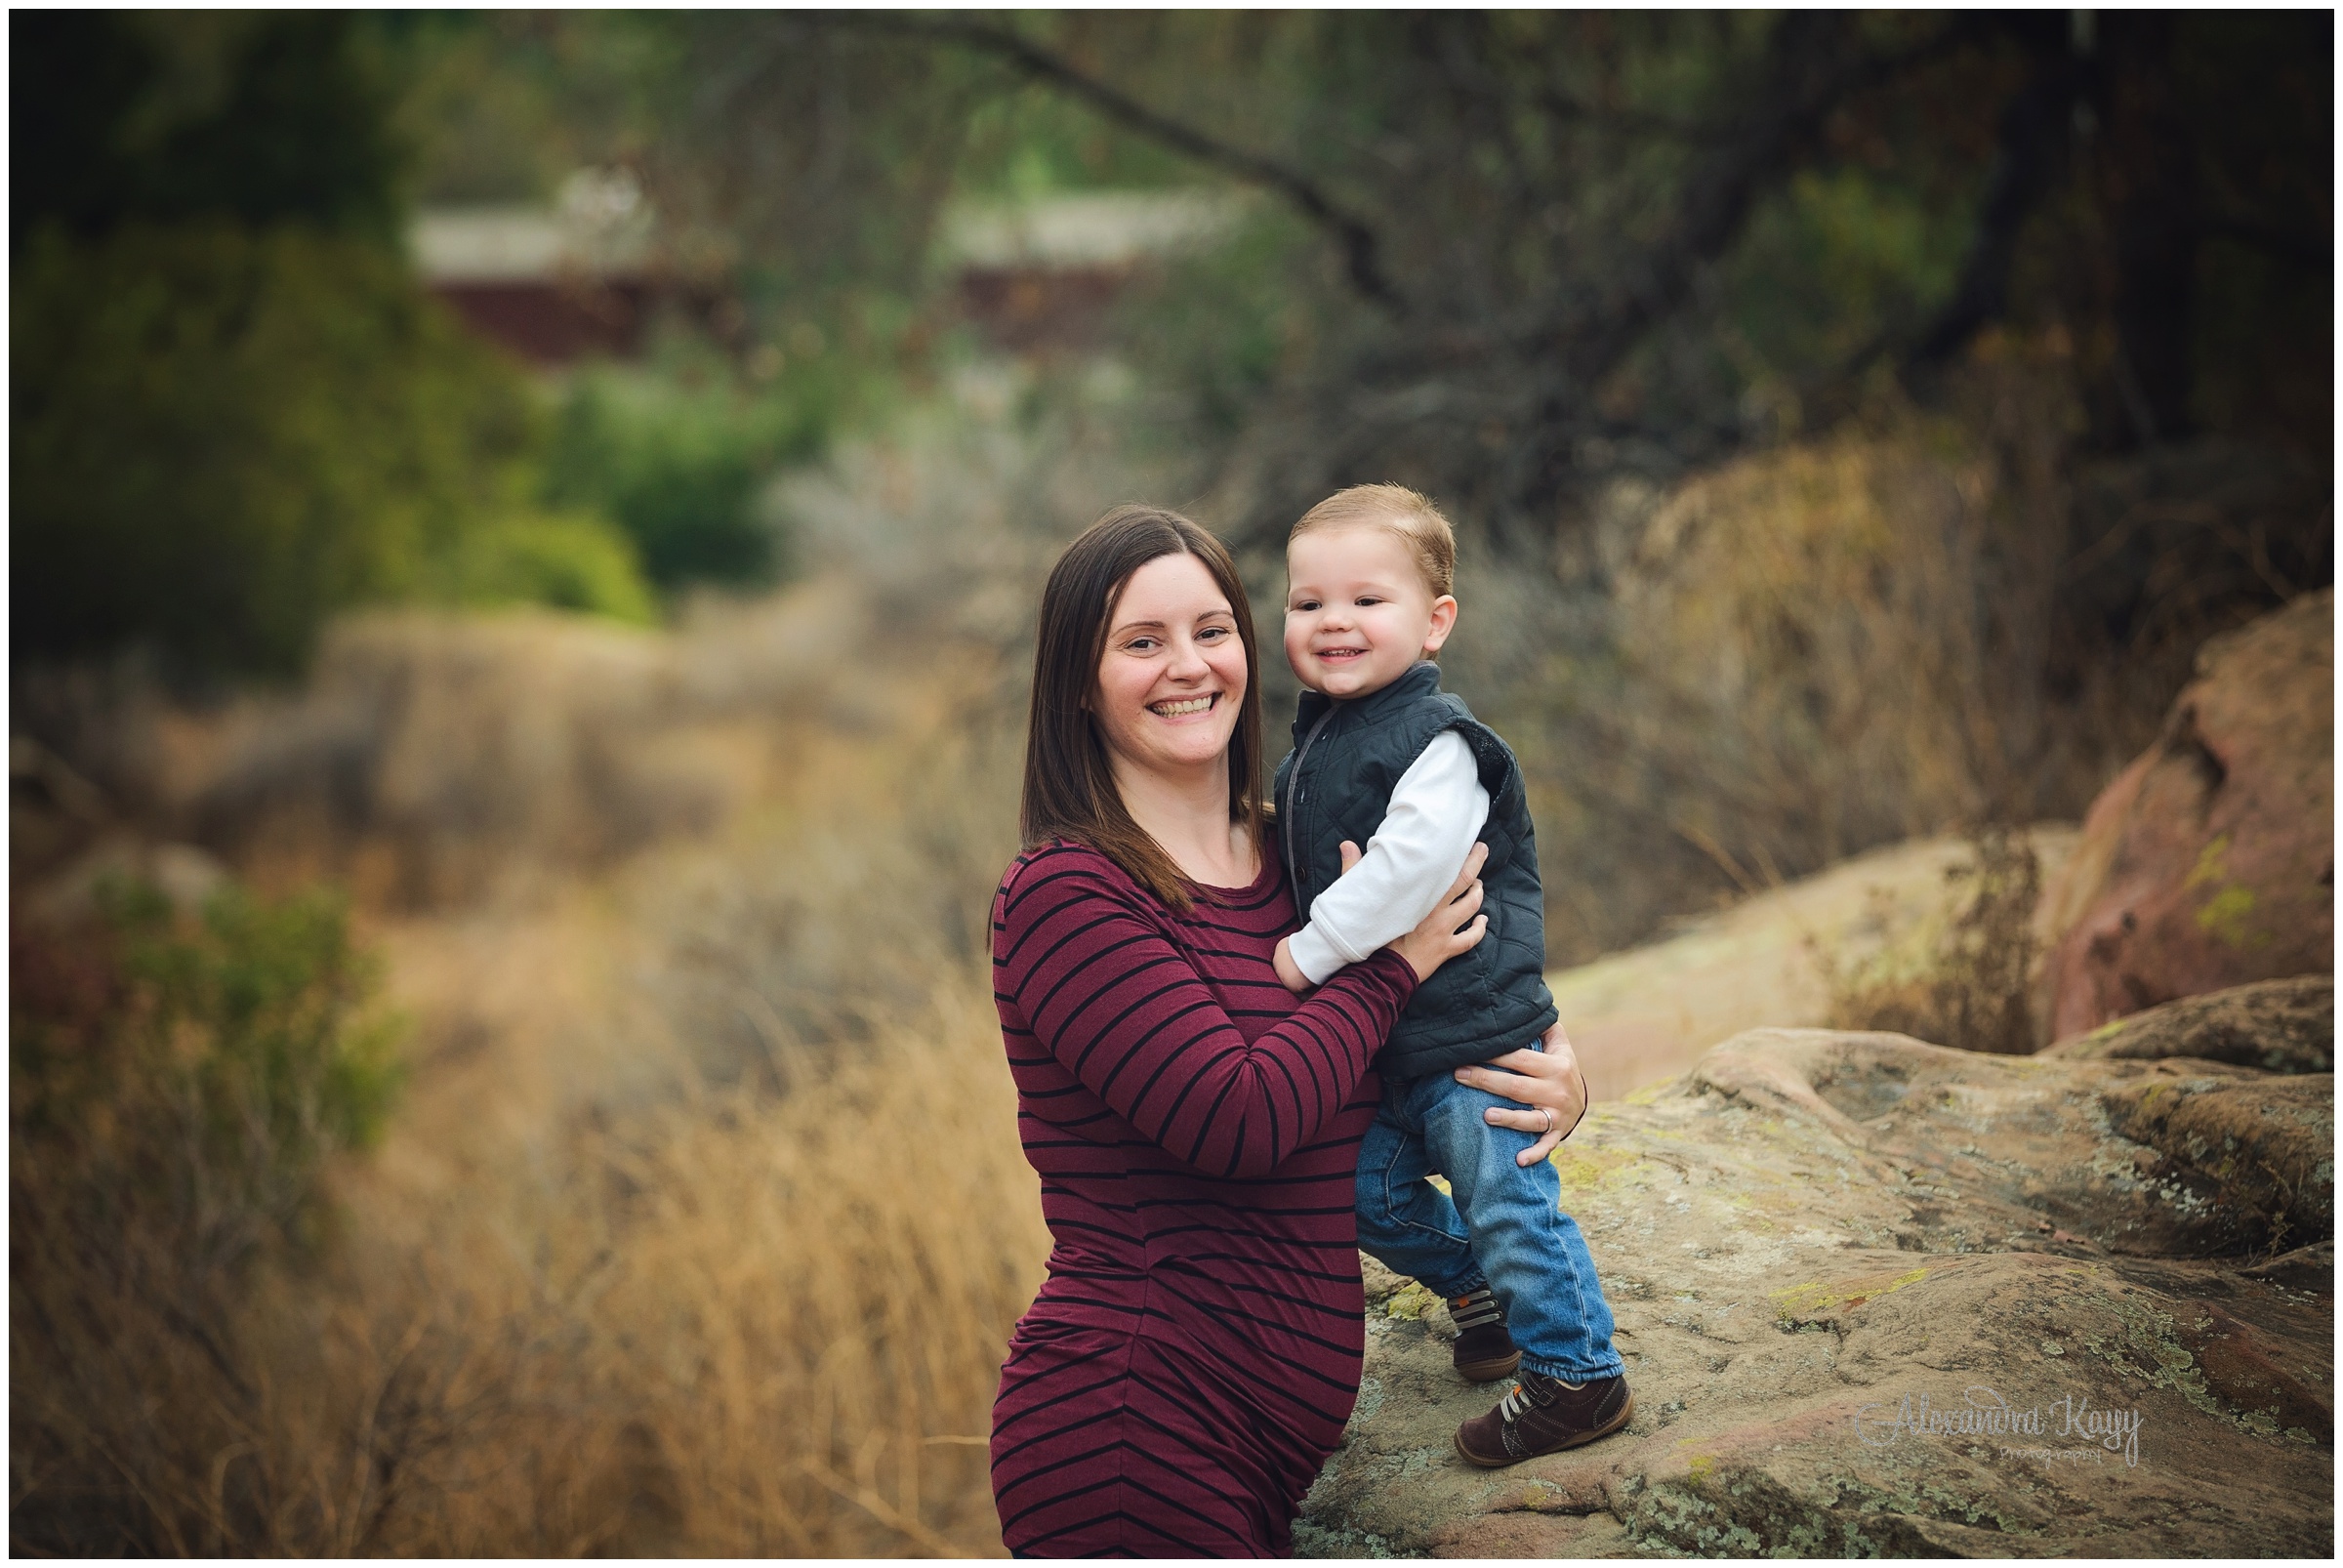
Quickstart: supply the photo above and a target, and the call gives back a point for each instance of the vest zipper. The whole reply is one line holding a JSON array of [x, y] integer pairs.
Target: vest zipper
[[1292, 802]]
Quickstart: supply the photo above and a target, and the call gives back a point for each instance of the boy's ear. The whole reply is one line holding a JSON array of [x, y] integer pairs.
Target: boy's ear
[[1443, 621]]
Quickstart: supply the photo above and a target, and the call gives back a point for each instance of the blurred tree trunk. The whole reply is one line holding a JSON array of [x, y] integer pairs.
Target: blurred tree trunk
[[2146, 177]]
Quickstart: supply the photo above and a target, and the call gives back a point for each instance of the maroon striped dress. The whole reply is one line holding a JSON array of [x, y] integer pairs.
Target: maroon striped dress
[[1188, 1366]]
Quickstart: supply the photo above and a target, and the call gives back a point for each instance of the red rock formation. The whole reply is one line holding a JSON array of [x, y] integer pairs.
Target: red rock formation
[[2209, 861]]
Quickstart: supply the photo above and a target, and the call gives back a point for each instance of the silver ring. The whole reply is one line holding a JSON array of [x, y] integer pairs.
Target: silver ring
[[1549, 1117]]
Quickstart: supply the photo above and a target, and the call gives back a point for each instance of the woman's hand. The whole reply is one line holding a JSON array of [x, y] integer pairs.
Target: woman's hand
[[1546, 1080], [1436, 939]]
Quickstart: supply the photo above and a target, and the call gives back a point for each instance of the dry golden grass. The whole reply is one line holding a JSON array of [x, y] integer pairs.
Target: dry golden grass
[[701, 1230], [1841, 643], [1971, 984], [735, 1324], [1849, 618], [818, 1292], [703, 1224], [740, 1247], [731, 1323]]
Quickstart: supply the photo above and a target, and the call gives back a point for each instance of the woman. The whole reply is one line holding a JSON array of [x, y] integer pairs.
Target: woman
[[1190, 1363]]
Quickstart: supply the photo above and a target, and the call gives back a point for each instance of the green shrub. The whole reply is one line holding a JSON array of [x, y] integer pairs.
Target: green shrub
[[573, 561], [177, 1087], [181, 1084], [222, 437], [679, 469]]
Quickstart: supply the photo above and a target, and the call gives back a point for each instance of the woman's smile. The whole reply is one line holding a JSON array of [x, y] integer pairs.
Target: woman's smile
[[1172, 653]]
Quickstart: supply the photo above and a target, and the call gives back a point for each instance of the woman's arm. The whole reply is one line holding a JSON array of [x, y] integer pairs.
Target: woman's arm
[[1113, 1003]]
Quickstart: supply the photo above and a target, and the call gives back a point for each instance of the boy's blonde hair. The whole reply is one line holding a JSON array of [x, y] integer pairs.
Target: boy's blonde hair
[[1397, 509]]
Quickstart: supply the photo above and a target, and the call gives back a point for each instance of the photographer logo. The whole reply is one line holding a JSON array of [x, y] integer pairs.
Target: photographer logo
[[1984, 1413]]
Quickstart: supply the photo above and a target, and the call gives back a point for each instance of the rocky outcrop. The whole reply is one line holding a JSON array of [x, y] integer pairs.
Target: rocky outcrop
[[2279, 1026], [2209, 861], [1880, 1296]]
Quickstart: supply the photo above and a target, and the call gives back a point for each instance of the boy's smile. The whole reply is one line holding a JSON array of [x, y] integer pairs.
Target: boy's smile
[[1358, 615]]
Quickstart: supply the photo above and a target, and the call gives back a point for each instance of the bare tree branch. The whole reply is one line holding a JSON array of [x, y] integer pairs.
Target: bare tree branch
[[2301, 247], [1817, 67], [2025, 160], [1564, 109], [1361, 248]]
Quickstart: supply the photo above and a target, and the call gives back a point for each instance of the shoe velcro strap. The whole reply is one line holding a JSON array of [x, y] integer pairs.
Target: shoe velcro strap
[[1478, 1310]]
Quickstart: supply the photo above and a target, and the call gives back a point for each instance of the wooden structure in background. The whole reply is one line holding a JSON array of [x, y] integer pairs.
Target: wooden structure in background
[[1040, 277], [582, 279]]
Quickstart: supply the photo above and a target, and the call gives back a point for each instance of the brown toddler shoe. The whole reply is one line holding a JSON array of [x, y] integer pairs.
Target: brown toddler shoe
[[1544, 1416], [1484, 1352]]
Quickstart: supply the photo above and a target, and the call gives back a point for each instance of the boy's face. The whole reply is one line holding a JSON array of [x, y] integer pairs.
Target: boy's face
[[1357, 613]]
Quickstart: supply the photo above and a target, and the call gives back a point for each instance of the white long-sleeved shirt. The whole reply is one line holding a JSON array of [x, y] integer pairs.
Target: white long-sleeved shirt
[[1437, 810]]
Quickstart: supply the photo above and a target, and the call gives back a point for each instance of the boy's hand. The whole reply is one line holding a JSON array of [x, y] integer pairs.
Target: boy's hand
[[1286, 971]]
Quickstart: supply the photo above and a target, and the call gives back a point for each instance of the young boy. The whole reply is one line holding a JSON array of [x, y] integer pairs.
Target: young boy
[[1382, 756]]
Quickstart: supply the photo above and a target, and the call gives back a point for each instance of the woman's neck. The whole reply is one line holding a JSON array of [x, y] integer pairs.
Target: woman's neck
[[1187, 815]]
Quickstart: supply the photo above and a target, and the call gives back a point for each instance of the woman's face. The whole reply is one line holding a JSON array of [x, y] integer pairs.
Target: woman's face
[[1173, 675]]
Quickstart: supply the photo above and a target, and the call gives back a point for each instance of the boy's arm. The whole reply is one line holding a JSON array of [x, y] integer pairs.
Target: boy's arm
[[1437, 810]]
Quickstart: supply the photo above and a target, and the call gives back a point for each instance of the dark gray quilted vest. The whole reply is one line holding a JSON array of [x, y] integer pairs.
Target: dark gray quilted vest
[[1336, 783]]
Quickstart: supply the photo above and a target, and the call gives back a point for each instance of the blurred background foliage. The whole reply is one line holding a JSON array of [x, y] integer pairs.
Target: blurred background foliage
[[1515, 256], [1854, 422], [209, 1068], [676, 461], [1511, 258], [176, 1089]]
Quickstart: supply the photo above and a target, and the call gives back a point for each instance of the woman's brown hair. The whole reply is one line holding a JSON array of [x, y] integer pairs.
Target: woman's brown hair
[[1070, 789]]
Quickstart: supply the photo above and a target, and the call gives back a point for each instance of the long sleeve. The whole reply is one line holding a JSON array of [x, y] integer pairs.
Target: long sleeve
[[1437, 810], [1086, 965]]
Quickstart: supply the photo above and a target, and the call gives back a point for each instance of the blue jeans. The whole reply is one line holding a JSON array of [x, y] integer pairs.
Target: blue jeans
[[1504, 1228]]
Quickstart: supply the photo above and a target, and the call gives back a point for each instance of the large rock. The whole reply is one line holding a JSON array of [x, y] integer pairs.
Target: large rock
[[2209, 861], [1842, 1263], [2281, 1026]]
